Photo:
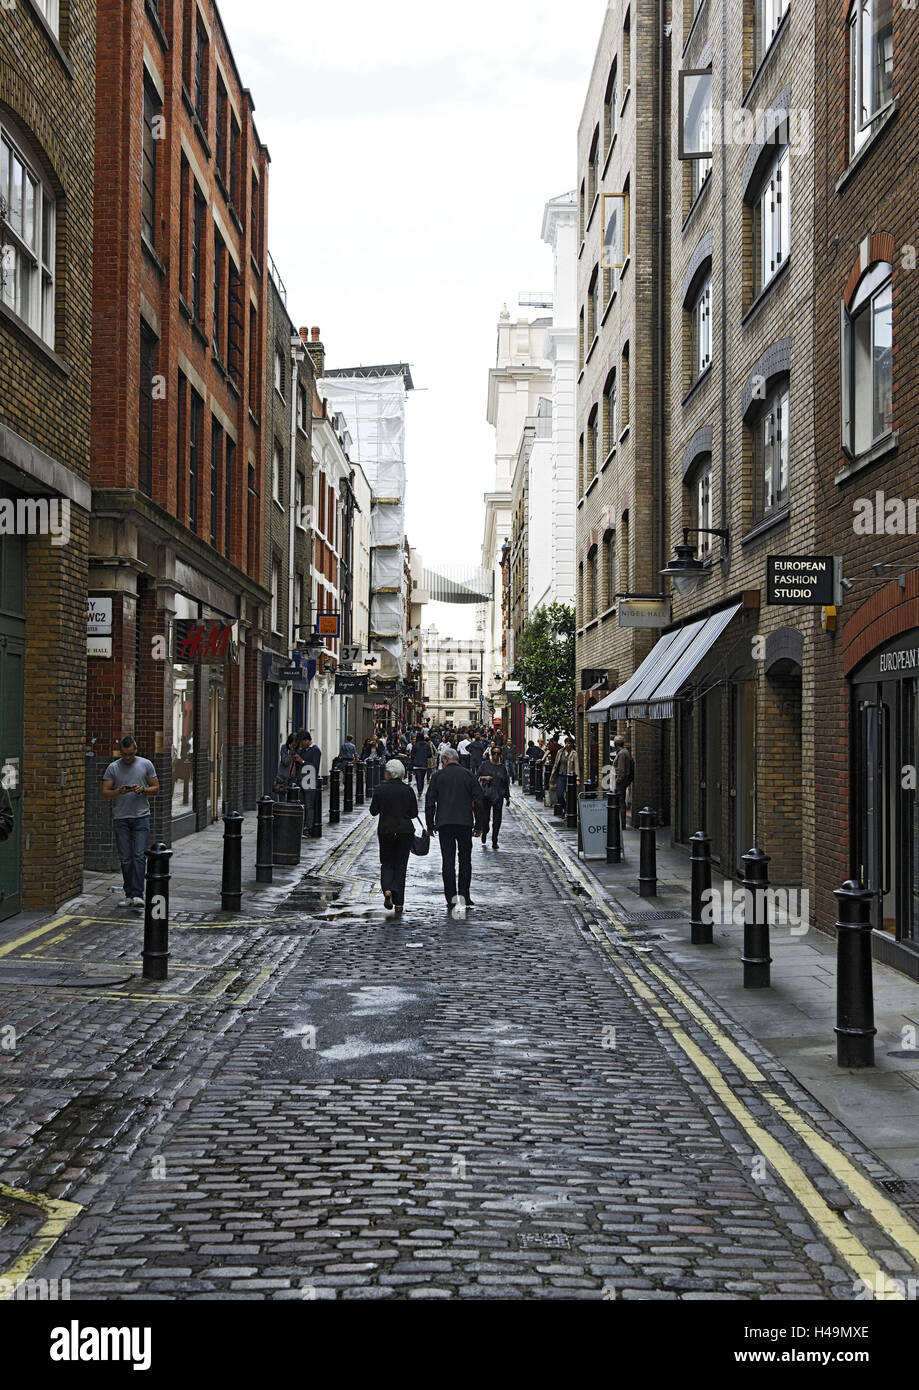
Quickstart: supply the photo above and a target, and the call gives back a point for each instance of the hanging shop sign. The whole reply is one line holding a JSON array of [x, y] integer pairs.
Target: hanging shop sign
[[349, 684], [327, 624], [386, 689], [644, 612], [800, 579]]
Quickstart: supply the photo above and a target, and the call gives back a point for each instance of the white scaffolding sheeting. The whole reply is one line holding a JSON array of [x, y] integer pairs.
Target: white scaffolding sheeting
[[387, 527], [387, 615], [388, 567], [375, 411]]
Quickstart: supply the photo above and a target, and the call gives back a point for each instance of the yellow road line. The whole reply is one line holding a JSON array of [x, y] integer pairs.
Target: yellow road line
[[264, 974], [11, 946], [58, 1216], [884, 1212]]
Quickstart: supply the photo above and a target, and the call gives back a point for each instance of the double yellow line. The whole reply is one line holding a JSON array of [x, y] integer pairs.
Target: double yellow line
[[864, 1193]]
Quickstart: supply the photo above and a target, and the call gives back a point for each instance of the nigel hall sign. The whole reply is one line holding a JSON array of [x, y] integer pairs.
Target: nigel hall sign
[[799, 579]]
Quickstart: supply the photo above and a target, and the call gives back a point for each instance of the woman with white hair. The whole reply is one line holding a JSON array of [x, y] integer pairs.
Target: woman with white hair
[[397, 807]]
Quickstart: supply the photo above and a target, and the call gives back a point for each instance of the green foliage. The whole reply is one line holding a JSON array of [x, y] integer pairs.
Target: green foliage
[[544, 666]]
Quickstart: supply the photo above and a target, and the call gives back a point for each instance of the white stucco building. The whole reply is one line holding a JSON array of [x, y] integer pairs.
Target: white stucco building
[[452, 679]]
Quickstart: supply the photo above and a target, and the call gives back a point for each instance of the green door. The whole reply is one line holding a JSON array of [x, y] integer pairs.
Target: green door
[[12, 684]]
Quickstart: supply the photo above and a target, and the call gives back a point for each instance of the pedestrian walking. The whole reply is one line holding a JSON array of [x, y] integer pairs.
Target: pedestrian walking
[[462, 749], [348, 752], [454, 807], [496, 794], [624, 771], [128, 783], [397, 806], [510, 761], [421, 755], [310, 756], [478, 751]]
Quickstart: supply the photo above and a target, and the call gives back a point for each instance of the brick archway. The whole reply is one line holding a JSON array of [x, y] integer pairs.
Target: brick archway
[[885, 615]]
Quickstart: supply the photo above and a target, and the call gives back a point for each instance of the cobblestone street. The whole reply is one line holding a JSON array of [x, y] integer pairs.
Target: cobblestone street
[[326, 1103]]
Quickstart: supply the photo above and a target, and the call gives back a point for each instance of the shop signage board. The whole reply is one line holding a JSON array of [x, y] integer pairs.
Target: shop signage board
[[198, 641], [327, 624], [386, 688], [290, 673], [98, 617], [643, 612], [348, 684], [592, 826], [800, 580]]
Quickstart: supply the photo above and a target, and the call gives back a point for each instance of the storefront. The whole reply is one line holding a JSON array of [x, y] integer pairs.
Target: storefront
[[884, 822], [205, 642]]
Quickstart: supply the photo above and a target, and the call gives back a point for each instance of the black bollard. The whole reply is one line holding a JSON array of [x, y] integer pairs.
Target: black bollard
[[231, 887], [571, 801], [264, 841], [613, 828], [647, 862], [700, 868], [756, 958], [359, 785], [855, 1028], [316, 827], [156, 913], [349, 788], [334, 796], [538, 788], [524, 775]]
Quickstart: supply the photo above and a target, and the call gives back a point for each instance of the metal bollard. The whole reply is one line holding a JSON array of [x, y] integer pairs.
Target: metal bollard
[[316, 827], [700, 868], [264, 841], [334, 796], [647, 862], [359, 785], [525, 775], [231, 887], [349, 788], [613, 828], [538, 788], [571, 802], [756, 958], [156, 913], [855, 1028]]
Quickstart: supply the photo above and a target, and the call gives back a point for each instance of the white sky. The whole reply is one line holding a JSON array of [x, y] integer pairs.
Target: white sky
[[413, 148]]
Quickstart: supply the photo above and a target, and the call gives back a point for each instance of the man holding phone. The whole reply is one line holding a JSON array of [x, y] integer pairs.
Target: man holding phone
[[128, 783]]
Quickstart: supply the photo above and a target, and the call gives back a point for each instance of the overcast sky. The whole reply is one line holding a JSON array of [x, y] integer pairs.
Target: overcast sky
[[413, 148]]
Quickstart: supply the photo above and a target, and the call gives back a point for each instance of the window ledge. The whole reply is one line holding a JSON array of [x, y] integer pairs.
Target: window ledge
[[581, 501], [624, 435], [581, 248], [580, 376], [766, 291], [592, 484], [255, 265], [625, 99], [861, 155], [52, 38], [14, 321], [199, 332], [593, 209], [772, 522], [594, 622], [884, 446], [697, 201], [610, 613], [624, 267], [253, 417], [590, 350], [184, 306], [235, 215], [609, 304], [151, 254], [608, 460], [279, 505], [773, 44], [156, 25], [302, 432], [692, 29], [609, 152], [697, 384]]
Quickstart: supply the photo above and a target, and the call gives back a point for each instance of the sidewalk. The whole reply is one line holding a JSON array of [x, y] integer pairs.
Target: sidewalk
[[794, 1019]]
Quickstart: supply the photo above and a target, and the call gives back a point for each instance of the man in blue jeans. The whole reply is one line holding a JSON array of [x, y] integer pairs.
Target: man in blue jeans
[[128, 783]]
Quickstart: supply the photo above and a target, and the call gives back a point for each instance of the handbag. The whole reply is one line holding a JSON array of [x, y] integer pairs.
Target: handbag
[[421, 843]]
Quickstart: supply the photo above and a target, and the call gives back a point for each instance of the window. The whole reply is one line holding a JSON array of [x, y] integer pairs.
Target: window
[[152, 109], [582, 202], [768, 15], [145, 410], [197, 237], [255, 216], [473, 663], [581, 339], [449, 690], [592, 577], [867, 361], [254, 358], [593, 443], [594, 173], [627, 50], [234, 324], [582, 476], [870, 66], [228, 482], [298, 604], [610, 414], [624, 389], [27, 232], [770, 455], [279, 371], [199, 73], [610, 111], [700, 505], [609, 556], [301, 409], [196, 424], [699, 170], [624, 551], [473, 690], [221, 136], [234, 160], [701, 330], [593, 317], [695, 113], [49, 8], [216, 459], [300, 509], [219, 308], [275, 587], [772, 223], [181, 462], [252, 516], [449, 663], [277, 463], [184, 176]]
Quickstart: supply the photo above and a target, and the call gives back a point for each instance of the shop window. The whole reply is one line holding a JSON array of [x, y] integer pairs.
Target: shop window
[[870, 67], [770, 431], [183, 740], [866, 333]]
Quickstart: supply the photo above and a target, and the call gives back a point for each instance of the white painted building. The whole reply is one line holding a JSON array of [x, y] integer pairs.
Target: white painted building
[[331, 474], [452, 679], [560, 231]]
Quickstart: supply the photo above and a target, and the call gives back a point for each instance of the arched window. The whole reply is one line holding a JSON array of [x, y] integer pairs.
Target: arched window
[[867, 360], [27, 235], [609, 566]]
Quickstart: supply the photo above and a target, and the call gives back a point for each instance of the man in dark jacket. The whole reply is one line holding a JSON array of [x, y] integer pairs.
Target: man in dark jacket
[[396, 805], [454, 806], [422, 752], [496, 790], [477, 751], [6, 814]]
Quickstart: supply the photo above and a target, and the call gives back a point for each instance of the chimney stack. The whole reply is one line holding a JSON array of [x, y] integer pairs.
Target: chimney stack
[[315, 348]]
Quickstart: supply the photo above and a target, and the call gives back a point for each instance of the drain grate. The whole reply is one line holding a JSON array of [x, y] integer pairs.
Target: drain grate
[[636, 919], [545, 1240], [908, 1192]]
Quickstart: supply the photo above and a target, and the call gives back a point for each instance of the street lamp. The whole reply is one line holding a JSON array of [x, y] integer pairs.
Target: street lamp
[[685, 569]]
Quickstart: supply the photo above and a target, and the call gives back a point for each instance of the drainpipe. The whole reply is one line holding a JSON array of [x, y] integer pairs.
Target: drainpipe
[[297, 354]]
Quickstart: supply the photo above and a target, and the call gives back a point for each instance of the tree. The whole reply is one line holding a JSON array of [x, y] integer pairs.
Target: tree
[[544, 666]]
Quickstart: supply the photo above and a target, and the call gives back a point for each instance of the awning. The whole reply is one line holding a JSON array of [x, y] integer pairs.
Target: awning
[[651, 691]]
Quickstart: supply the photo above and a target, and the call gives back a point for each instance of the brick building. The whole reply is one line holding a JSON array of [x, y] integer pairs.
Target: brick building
[[866, 438], [180, 295], [619, 421], [46, 233]]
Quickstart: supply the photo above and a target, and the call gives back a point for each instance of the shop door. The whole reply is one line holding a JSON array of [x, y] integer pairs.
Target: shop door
[[216, 740], [12, 681], [272, 734], [712, 783], [876, 785], [743, 772]]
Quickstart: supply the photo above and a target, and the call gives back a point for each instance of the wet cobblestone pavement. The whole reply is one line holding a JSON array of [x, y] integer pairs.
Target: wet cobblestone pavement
[[331, 1104]]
